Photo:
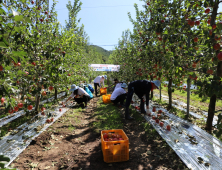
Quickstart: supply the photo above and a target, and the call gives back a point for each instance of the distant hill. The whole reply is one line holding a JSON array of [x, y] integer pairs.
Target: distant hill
[[105, 53]]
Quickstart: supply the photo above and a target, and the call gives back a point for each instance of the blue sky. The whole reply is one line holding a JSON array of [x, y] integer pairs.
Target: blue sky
[[104, 20]]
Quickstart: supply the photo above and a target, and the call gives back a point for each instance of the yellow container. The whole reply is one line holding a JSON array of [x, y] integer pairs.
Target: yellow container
[[103, 91], [115, 151], [106, 98]]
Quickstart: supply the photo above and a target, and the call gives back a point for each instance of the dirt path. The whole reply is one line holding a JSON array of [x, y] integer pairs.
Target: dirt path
[[72, 143]]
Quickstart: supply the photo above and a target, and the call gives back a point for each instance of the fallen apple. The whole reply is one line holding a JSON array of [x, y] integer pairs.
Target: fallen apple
[[153, 117], [168, 127], [161, 124], [157, 120]]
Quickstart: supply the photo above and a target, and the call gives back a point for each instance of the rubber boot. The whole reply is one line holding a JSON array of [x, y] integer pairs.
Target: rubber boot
[[127, 115], [142, 108]]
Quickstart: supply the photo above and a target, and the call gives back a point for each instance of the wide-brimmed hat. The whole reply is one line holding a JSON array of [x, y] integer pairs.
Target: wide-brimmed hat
[[124, 85], [157, 83], [73, 87]]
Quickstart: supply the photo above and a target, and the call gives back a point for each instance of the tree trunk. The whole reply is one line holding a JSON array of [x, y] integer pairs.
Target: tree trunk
[[160, 92], [56, 92], [37, 104], [211, 110], [170, 93], [151, 97], [188, 96]]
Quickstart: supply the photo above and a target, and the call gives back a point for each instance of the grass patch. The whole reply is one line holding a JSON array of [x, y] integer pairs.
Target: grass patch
[[194, 97], [107, 117]]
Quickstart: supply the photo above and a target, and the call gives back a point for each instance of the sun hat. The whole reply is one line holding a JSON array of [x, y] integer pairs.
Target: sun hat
[[105, 76], [124, 85], [157, 83], [73, 87]]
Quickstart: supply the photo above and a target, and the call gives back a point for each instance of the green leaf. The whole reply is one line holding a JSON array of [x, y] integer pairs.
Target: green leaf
[[18, 18], [27, 19], [17, 29], [3, 45], [20, 72]]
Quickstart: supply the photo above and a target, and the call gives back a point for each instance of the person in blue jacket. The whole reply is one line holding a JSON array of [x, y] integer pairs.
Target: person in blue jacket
[[140, 88]]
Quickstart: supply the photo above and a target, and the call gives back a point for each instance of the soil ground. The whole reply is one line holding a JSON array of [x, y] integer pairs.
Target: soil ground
[[73, 143]]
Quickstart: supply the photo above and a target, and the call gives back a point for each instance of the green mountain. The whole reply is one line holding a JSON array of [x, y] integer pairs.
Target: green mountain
[[104, 53]]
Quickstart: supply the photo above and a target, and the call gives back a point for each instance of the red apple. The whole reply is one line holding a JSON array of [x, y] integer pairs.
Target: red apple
[[60, 110], [1, 68], [43, 113], [168, 127], [2, 100], [105, 135], [153, 117], [48, 121], [209, 71], [197, 22], [52, 119], [20, 105], [161, 124], [157, 120], [219, 56], [18, 64], [216, 46], [195, 39], [158, 115], [214, 26], [50, 88], [149, 114], [41, 19], [207, 10], [44, 93], [159, 111], [106, 139], [32, 2], [46, 12], [115, 139], [39, 8], [69, 74], [11, 111], [154, 109], [30, 107], [121, 139], [16, 109]]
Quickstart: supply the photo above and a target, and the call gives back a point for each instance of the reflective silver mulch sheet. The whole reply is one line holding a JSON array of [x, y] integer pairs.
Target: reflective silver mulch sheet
[[197, 149]]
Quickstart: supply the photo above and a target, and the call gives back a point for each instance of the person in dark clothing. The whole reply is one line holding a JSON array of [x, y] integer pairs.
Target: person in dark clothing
[[140, 88]]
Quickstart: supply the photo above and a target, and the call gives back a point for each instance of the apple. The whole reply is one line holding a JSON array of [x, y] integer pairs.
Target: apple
[[160, 111], [136, 107], [158, 115], [64, 105], [52, 119], [194, 65], [11, 111], [41, 19], [119, 136], [208, 21], [110, 139], [18, 64], [121, 139], [43, 113], [16, 109], [219, 56], [106, 139], [63, 52], [217, 38], [48, 121], [168, 127], [141, 74], [191, 23], [30, 107], [20, 105], [209, 71], [115, 139], [157, 120], [161, 124], [44, 93], [60, 110], [113, 135], [69, 74], [50, 88], [210, 32], [105, 135], [110, 135], [214, 26], [39, 8], [148, 3], [149, 114], [195, 39], [46, 12], [2, 100], [153, 117], [216, 46], [197, 22], [154, 109], [207, 10], [32, 2], [49, 16], [42, 109], [1, 68], [46, 20]]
